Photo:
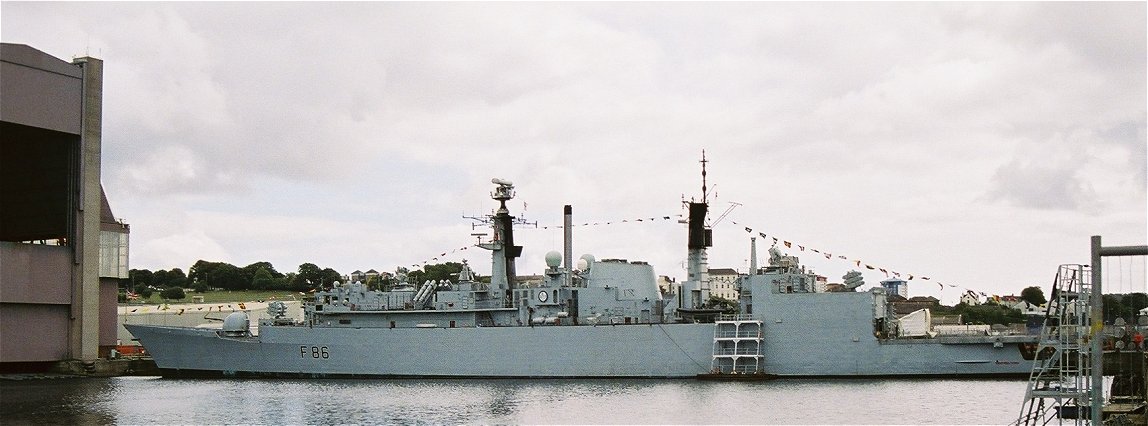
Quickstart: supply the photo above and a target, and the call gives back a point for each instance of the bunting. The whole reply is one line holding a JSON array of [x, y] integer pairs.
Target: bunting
[[436, 258], [611, 222], [856, 262]]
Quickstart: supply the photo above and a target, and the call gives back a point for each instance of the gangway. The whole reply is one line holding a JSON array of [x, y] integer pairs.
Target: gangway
[[1067, 379], [1060, 385]]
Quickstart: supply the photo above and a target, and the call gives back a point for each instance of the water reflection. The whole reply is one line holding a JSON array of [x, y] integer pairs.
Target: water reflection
[[56, 401], [131, 400]]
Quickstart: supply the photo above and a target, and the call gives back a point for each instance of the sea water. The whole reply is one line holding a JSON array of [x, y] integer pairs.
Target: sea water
[[155, 400]]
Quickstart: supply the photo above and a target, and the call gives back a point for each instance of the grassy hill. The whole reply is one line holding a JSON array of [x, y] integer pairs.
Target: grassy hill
[[225, 297]]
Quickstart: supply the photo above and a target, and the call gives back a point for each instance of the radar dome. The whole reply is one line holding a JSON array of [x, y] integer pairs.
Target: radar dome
[[237, 323], [553, 259], [589, 259]]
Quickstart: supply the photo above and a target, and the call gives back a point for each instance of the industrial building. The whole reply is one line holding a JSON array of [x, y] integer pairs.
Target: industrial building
[[62, 252]]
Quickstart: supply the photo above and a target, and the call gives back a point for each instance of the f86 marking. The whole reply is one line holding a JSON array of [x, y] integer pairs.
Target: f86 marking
[[316, 352]]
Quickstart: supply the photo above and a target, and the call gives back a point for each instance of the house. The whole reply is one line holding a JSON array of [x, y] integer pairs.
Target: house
[[970, 298], [667, 285], [723, 283]]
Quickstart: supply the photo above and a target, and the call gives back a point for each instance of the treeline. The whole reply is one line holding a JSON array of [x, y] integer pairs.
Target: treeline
[[205, 276], [1126, 306]]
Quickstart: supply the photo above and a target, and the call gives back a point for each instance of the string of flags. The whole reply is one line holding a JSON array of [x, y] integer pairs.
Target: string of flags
[[858, 263], [788, 244], [612, 222], [615, 222], [441, 255]]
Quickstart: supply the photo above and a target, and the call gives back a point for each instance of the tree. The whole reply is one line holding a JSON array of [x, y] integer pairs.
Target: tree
[[140, 277], [727, 306], [262, 280], [253, 268], [200, 287], [329, 277], [176, 277], [143, 290], [308, 277], [988, 314], [200, 270], [1113, 309], [228, 276], [1134, 302], [1033, 295], [173, 293], [442, 272]]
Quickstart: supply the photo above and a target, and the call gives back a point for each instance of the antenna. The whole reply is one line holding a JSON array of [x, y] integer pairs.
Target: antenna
[[704, 175], [732, 205]]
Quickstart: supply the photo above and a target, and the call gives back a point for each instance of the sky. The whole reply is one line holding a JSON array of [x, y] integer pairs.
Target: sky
[[977, 144]]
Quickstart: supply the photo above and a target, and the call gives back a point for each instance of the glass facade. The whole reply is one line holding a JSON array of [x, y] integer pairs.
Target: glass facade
[[113, 254]]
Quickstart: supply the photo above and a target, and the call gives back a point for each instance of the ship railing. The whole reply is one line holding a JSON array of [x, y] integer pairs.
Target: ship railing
[[740, 369], [743, 333], [740, 351], [735, 317]]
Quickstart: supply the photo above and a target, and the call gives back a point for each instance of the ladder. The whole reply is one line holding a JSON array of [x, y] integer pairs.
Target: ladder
[[1060, 385]]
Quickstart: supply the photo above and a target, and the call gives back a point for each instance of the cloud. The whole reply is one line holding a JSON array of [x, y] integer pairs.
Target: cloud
[[1033, 185], [920, 136]]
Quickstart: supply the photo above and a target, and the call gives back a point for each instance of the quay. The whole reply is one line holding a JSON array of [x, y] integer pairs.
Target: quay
[[125, 366]]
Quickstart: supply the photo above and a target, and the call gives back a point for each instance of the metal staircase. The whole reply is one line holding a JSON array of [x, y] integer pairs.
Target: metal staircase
[[737, 345], [1060, 387]]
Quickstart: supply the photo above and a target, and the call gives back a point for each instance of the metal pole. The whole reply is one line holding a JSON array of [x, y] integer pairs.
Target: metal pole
[[1095, 334]]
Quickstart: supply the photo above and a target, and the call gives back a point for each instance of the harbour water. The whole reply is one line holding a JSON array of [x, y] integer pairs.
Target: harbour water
[[154, 400]]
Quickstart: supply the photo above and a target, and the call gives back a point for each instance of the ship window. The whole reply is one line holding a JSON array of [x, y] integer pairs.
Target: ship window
[[749, 309], [318, 307], [344, 321]]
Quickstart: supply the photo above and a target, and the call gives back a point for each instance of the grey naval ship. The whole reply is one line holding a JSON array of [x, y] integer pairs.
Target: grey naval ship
[[593, 319]]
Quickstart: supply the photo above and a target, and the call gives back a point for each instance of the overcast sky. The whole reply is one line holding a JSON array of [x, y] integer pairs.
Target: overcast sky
[[978, 144]]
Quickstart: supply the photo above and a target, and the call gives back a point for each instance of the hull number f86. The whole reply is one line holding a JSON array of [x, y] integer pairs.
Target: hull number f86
[[316, 352]]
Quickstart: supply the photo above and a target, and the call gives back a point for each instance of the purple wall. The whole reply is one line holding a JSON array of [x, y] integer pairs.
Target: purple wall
[[109, 292], [40, 91], [34, 333], [33, 273]]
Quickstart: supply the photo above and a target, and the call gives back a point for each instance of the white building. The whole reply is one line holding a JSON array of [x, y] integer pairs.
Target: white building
[[970, 298], [667, 285], [723, 283]]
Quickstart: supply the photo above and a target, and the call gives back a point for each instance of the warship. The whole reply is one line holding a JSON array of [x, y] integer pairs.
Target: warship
[[590, 319]]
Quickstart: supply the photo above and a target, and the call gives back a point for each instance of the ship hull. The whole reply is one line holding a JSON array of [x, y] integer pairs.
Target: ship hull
[[621, 351]]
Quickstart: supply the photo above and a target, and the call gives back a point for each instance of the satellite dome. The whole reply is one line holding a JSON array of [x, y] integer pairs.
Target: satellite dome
[[553, 259], [585, 262], [236, 324]]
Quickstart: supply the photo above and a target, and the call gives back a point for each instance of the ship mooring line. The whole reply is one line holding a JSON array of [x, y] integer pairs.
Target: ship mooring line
[[687, 354]]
